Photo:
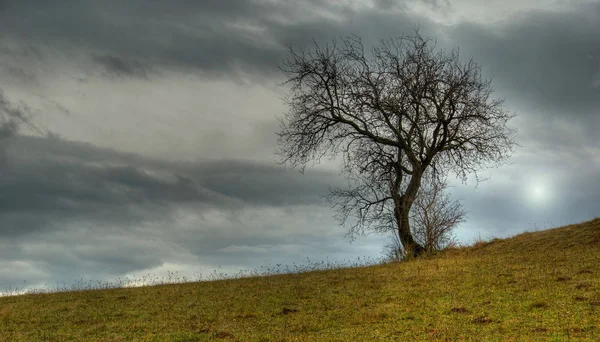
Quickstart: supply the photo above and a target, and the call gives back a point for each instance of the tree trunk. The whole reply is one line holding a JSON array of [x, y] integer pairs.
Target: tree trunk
[[411, 247], [402, 207]]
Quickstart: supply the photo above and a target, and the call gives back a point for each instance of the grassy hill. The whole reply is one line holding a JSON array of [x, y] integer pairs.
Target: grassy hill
[[535, 286]]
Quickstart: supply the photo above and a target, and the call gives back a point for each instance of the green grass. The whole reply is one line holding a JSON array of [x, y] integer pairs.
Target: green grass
[[538, 286]]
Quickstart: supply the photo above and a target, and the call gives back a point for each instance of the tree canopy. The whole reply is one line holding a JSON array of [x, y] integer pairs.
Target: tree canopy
[[403, 108]]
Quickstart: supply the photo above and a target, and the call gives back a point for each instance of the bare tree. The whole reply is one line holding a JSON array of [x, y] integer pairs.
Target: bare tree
[[405, 108], [434, 216]]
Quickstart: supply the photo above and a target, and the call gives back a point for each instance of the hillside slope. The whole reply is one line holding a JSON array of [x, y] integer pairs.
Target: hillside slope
[[535, 286]]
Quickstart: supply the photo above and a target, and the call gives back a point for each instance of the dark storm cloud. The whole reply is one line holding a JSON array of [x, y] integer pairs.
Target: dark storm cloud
[[11, 118], [548, 61], [70, 185], [68, 208], [20, 74], [48, 180], [180, 33], [39, 195], [214, 36], [259, 184], [120, 67], [554, 57]]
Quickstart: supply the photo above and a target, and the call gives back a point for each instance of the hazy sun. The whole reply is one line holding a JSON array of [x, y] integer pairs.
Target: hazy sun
[[538, 192]]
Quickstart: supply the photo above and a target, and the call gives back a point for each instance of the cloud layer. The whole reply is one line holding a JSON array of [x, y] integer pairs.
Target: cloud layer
[[70, 208]]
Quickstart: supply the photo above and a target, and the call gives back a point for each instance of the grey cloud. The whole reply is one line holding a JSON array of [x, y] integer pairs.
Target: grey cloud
[[11, 118], [52, 180], [120, 67], [41, 191], [21, 49], [444, 5], [371, 25], [21, 74], [546, 59], [195, 34], [552, 55], [31, 148], [248, 181], [214, 36], [544, 63], [68, 209], [258, 184], [72, 186], [151, 188]]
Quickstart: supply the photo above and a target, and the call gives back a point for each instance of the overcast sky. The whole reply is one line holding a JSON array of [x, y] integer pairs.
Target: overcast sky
[[154, 127]]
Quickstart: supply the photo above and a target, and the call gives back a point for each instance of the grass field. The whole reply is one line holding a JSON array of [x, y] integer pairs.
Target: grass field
[[538, 286]]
